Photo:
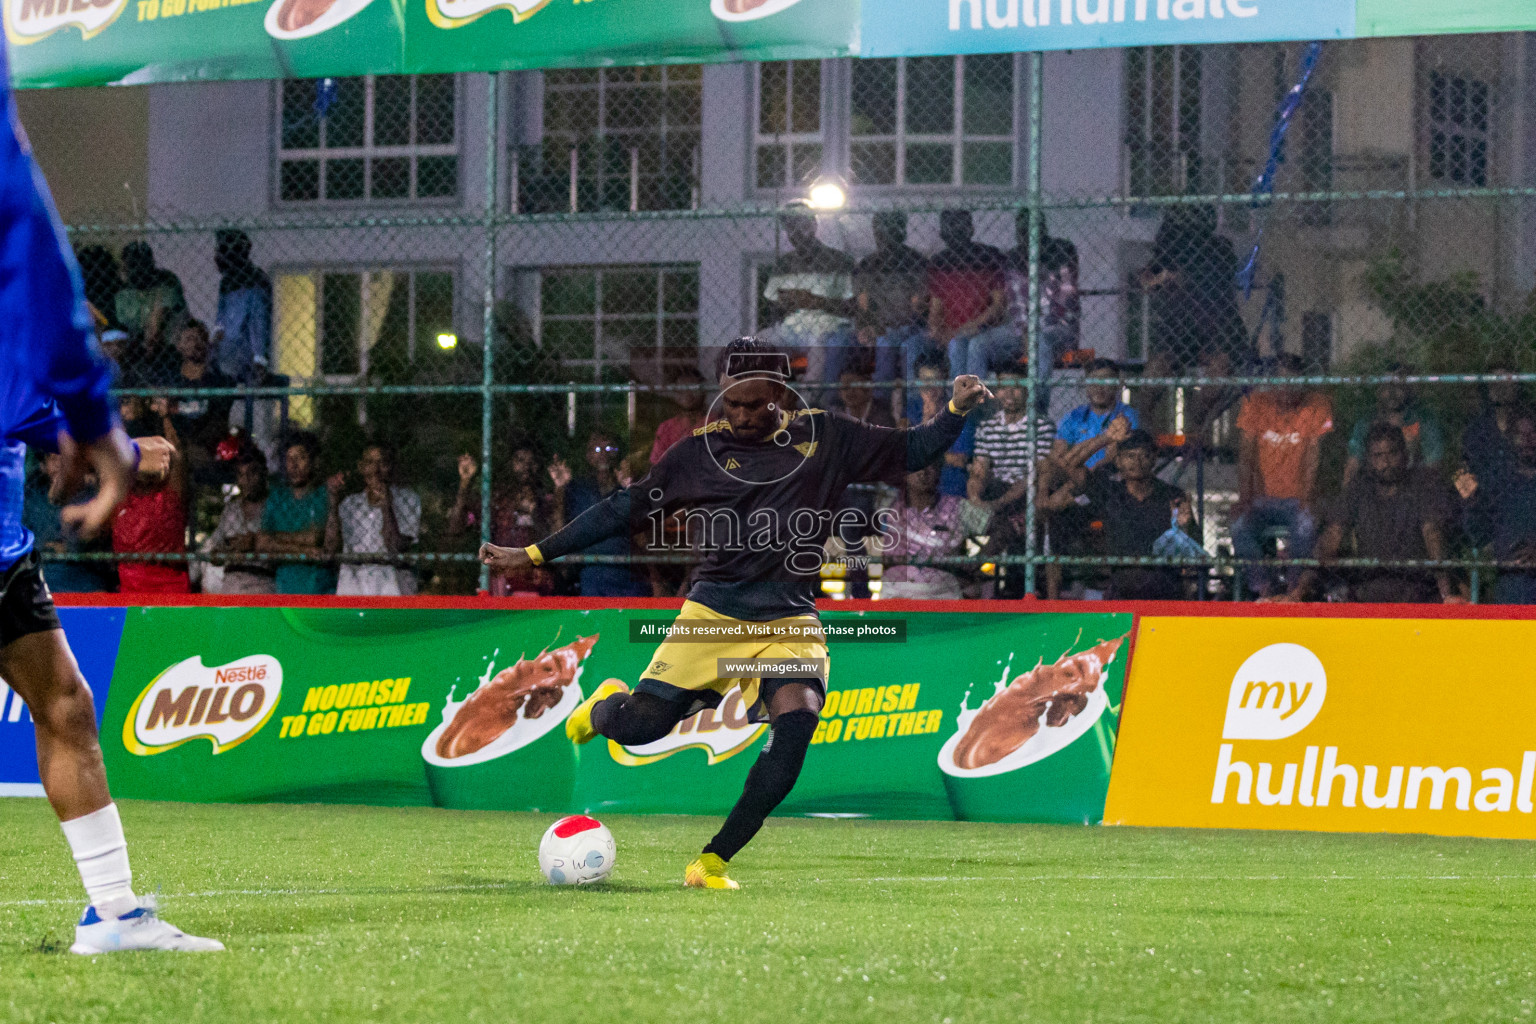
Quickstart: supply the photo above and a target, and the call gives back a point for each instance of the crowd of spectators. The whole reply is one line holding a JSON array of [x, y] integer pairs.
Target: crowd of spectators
[[253, 506]]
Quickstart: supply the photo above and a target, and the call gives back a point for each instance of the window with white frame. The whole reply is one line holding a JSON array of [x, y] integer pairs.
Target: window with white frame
[[635, 132], [1459, 117], [933, 120], [1162, 119], [788, 140], [602, 318], [370, 138], [344, 325]]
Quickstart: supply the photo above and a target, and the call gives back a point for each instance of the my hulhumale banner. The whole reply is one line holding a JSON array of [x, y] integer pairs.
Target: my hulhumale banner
[[902, 27], [1001, 717]]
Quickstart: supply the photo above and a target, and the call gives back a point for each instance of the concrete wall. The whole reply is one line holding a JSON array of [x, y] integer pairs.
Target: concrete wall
[[93, 147]]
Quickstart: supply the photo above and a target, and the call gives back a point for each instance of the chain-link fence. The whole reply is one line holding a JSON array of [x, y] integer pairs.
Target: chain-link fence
[[498, 298]]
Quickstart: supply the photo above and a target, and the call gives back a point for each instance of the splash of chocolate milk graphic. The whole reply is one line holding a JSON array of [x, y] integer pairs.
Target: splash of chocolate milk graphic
[[1012, 717], [532, 687]]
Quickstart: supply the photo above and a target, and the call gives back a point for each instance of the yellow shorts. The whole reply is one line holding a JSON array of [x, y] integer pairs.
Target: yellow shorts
[[687, 671]]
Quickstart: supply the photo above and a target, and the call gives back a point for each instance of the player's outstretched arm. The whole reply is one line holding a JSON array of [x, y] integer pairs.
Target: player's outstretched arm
[[928, 441]]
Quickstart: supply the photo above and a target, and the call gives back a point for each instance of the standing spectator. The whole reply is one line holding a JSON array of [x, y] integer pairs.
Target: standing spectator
[[1501, 510], [1280, 440], [1136, 509], [811, 292], [1192, 278], [294, 520], [927, 525], [1088, 420], [968, 306], [930, 400], [1487, 447], [154, 521], [240, 527], [245, 307], [263, 420], [856, 399], [1390, 512], [521, 513], [690, 400], [201, 423], [572, 498], [98, 269], [1395, 405], [1060, 301], [892, 314], [381, 519], [40, 514], [150, 307]]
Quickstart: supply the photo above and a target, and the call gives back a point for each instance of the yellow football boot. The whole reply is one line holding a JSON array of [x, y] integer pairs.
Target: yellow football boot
[[579, 726], [708, 872]]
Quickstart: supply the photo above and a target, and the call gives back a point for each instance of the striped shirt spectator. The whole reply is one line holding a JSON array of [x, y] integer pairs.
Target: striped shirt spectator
[[1004, 443]]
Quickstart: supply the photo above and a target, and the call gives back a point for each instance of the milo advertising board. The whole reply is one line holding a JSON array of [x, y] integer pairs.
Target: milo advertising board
[[1003, 717]]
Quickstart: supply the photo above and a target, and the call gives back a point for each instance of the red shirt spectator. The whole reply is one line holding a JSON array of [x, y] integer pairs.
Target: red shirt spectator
[[965, 279], [151, 521]]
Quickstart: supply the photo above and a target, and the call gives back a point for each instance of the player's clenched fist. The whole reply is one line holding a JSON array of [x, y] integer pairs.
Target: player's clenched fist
[[503, 560], [969, 392]]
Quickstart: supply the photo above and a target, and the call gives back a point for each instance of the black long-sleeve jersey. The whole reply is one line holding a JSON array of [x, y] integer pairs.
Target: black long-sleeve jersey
[[761, 510]]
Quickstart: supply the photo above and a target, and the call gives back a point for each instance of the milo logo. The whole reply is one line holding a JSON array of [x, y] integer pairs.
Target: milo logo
[[27, 21], [226, 704], [720, 732]]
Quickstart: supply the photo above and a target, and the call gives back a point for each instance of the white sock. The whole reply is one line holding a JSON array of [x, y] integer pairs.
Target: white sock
[[101, 854]]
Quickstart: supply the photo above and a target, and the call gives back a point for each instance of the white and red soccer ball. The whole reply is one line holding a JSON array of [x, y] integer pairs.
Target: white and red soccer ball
[[577, 850]]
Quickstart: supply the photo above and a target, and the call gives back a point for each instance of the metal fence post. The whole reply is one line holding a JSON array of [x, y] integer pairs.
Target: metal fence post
[[488, 313], [1032, 321]]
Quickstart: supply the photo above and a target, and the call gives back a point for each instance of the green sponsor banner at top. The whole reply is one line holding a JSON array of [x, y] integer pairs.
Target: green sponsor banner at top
[[1005, 717], [97, 42]]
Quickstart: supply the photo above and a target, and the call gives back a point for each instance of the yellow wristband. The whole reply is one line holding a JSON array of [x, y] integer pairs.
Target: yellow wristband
[[534, 554], [952, 408]]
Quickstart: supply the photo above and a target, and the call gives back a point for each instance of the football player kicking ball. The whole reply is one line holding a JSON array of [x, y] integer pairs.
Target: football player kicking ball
[[54, 393], [763, 483]]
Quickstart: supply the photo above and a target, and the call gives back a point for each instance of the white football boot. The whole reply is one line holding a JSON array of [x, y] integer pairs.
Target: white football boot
[[140, 928]]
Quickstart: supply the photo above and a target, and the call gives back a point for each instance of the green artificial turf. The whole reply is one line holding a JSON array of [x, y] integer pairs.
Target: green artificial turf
[[344, 914]]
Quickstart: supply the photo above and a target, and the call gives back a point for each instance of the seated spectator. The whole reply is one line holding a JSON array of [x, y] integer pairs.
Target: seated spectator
[[294, 519], [1088, 420], [40, 514], [691, 402], [1136, 509], [381, 519], [811, 292], [102, 279], [927, 524], [1389, 512], [892, 305], [572, 498], [201, 423], [856, 399], [153, 520], [240, 527], [968, 311], [1487, 447], [1000, 471], [930, 400], [1060, 302], [1280, 441], [1501, 511], [1421, 431], [522, 512], [1192, 281]]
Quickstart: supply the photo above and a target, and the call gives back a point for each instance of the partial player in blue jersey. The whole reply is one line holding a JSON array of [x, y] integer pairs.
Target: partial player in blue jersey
[[54, 395]]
